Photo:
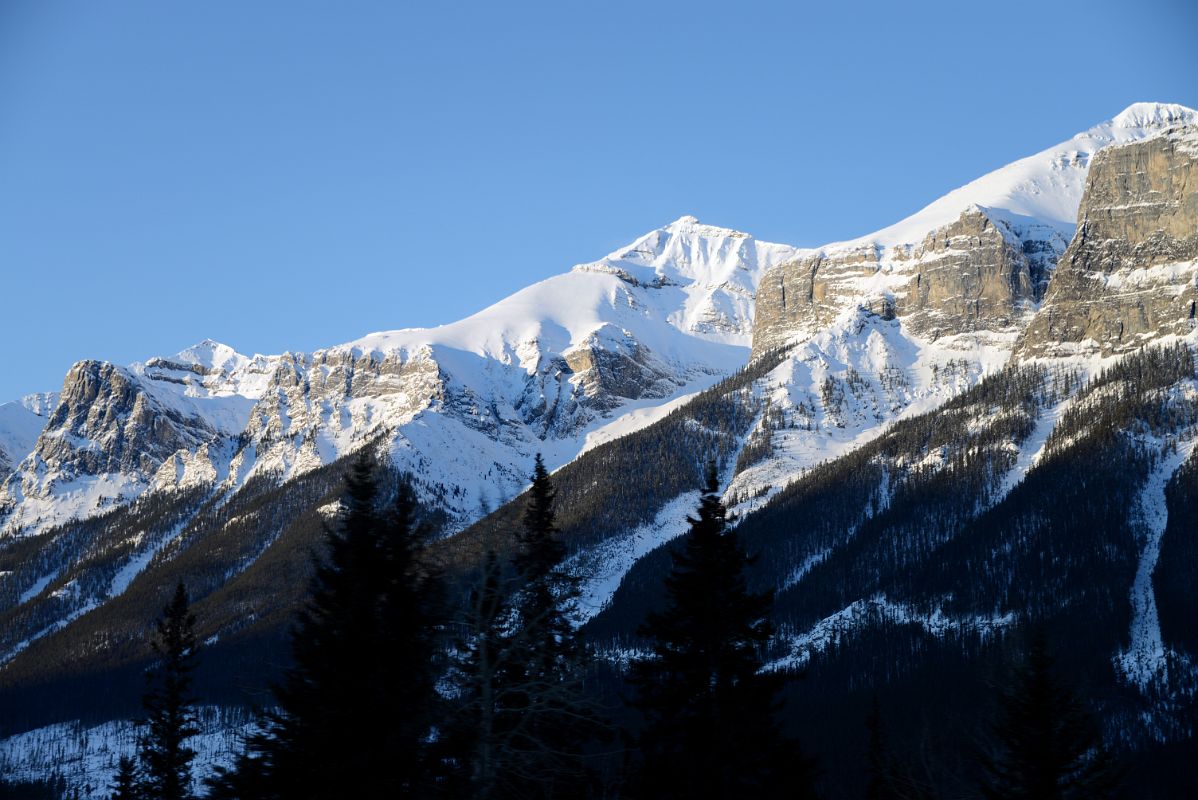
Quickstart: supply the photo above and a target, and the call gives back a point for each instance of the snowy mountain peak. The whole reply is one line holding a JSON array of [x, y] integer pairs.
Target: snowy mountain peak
[[685, 277], [691, 226], [687, 251], [1041, 190], [1154, 115], [212, 355], [41, 403], [19, 429]]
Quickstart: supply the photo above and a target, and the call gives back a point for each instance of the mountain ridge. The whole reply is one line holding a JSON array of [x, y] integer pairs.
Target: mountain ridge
[[651, 321], [892, 445]]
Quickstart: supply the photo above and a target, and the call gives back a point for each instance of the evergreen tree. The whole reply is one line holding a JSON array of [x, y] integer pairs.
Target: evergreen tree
[[709, 714], [170, 706], [524, 719], [358, 706], [478, 738], [547, 591], [127, 784], [1043, 744], [550, 659]]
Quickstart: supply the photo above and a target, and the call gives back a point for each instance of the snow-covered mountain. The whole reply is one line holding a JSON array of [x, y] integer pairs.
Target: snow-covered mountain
[[575, 359], [897, 322], [975, 261], [1045, 188], [974, 431], [909, 395], [865, 360], [465, 406]]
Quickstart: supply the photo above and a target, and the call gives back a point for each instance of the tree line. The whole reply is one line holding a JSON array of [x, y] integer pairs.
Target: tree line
[[402, 686]]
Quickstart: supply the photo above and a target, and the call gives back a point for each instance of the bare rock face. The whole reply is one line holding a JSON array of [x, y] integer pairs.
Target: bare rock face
[[800, 297], [310, 393], [607, 376], [110, 435], [979, 273], [1131, 273], [106, 422], [972, 275], [336, 400]]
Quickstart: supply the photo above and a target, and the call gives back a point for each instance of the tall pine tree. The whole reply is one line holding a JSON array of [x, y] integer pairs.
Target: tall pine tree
[[170, 706], [551, 660], [525, 719], [710, 727], [546, 589], [477, 741], [1043, 744], [358, 706]]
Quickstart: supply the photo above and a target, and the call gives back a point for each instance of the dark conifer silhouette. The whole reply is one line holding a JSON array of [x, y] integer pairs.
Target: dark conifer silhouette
[[127, 784], [524, 718], [1043, 745], [357, 708], [170, 706], [550, 659], [476, 746], [546, 591], [709, 715]]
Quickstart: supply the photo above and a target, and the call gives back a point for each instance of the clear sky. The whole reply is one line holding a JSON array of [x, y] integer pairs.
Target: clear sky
[[290, 175]]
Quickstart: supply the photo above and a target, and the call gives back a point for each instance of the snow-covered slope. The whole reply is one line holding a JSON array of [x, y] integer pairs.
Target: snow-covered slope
[[1016, 220], [577, 358], [877, 330], [687, 278], [897, 322], [465, 406], [19, 429], [1045, 188]]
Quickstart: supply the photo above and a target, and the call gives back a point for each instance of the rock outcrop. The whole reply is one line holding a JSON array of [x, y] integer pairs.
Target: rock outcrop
[[979, 273], [1131, 273]]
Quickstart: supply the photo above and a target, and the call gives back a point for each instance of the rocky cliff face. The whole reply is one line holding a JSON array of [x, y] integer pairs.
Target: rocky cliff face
[[976, 274], [534, 373], [115, 431], [1131, 273], [979, 273], [904, 321], [973, 262], [125, 428]]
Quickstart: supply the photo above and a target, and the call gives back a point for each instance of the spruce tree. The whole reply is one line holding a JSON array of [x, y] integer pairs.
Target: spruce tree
[[550, 659], [524, 717], [126, 784], [358, 705], [170, 706], [546, 590], [1043, 745], [710, 727], [477, 741]]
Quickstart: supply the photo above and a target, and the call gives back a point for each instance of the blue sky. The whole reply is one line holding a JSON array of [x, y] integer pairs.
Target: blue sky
[[290, 175]]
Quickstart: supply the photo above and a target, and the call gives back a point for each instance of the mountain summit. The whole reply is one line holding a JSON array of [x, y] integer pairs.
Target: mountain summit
[[979, 417]]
